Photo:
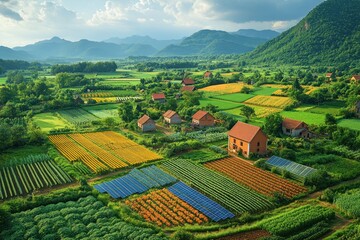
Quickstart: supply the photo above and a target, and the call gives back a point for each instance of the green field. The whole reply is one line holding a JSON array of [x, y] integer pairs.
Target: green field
[[234, 97], [308, 117], [49, 121], [221, 104], [119, 82], [21, 152], [103, 111], [2, 80], [265, 91], [342, 168], [350, 123], [331, 107]]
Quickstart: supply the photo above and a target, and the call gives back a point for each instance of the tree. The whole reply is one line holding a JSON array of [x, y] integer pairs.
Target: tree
[[247, 111], [125, 111], [330, 119], [246, 90], [109, 122], [272, 124]]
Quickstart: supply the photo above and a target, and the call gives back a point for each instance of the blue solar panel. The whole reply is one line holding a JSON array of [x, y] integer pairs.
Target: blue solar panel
[[210, 208]]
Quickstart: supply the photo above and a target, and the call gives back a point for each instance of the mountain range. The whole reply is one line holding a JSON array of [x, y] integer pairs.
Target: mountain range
[[204, 42], [329, 34]]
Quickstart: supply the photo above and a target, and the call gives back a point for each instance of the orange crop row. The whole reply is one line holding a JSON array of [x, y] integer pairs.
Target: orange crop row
[[165, 209], [260, 180], [74, 152]]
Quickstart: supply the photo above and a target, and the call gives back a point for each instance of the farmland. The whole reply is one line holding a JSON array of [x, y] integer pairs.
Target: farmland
[[221, 104], [77, 116], [225, 191], [234, 97], [261, 181], [165, 209], [31, 173], [349, 203], [269, 101], [49, 121], [225, 88]]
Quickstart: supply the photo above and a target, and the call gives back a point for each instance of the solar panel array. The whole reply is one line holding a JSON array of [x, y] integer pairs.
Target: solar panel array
[[137, 181], [297, 169], [210, 208]]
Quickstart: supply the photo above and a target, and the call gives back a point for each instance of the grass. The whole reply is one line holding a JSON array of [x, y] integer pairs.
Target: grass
[[3, 80], [350, 123], [307, 117], [341, 168], [103, 111], [201, 155], [234, 97], [21, 152], [221, 104], [264, 91], [260, 112], [120, 82], [49, 121], [333, 108]]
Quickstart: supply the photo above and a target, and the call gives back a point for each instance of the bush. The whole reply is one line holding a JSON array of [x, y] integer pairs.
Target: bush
[[182, 235], [288, 154]]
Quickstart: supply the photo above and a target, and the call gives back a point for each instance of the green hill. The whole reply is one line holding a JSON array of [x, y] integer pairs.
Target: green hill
[[328, 35], [211, 42]]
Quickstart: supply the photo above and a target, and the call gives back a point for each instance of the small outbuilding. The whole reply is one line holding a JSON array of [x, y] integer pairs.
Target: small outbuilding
[[295, 128], [158, 97], [208, 74], [171, 117], [188, 88], [146, 124], [187, 81], [203, 119]]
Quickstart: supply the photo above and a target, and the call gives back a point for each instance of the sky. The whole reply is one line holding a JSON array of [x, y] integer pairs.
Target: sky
[[27, 21]]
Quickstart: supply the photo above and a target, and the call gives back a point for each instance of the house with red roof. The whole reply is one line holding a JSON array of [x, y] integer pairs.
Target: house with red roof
[[355, 78], [187, 81], [171, 117], [203, 119], [247, 139], [146, 124], [158, 97], [188, 88], [208, 74], [295, 128]]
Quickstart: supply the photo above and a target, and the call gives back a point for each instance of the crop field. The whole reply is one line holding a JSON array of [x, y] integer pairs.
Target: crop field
[[225, 88], [270, 101], [260, 112], [49, 121], [113, 93], [31, 173], [165, 209], [121, 82], [221, 104], [103, 111], [122, 147], [349, 203], [77, 116], [73, 152], [234, 97], [350, 123], [297, 220], [225, 191], [2, 80], [85, 218], [264, 91], [260, 180], [136, 181], [308, 117]]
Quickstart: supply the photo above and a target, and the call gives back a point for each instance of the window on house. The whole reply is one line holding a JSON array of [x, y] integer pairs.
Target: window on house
[[241, 143], [288, 130], [258, 150], [258, 143], [245, 152], [234, 140]]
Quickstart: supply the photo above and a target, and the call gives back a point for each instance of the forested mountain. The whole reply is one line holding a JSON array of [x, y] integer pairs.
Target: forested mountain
[[212, 42], [265, 34], [329, 34], [10, 54], [84, 49], [146, 40]]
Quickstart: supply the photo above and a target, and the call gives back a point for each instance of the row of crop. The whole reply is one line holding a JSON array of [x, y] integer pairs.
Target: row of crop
[[220, 188], [270, 101], [296, 220], [349, 203], [77, 116], [207, 137], [13, 121], [165, 209], [24, 178], [260, 180]]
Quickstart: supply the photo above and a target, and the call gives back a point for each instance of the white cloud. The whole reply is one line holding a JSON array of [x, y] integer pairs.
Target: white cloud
[[112, 13]]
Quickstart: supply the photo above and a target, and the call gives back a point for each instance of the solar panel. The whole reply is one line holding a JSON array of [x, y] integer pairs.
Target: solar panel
[[290, 166]]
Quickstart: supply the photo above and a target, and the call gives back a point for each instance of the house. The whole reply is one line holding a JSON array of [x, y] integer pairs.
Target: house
[[203, 119], [158, 97], [146, 123], [208, 74], [171, 117], [295, 128], [329, 75], [246, 138], [355, 78], [188, 88], [187, 81]]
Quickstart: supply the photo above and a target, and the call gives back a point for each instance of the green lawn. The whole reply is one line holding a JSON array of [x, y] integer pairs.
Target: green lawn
[[234, 97], [265, 91], [21, 152], [350, 123], [221, 104], [49, 121], [331, 107], [307, 117], [103, 111], [2, 80]]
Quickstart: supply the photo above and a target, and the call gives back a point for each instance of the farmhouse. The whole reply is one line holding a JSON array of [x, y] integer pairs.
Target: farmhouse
[[295, 128], [246, 138], [158, 97], [329, 75], [203, 119], [187, 81], [208, 74], [146, 123], [188, 88], [355, 78], [171, 117]]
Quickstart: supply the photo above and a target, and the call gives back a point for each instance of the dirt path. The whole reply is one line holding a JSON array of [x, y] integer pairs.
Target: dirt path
[[163, 129]]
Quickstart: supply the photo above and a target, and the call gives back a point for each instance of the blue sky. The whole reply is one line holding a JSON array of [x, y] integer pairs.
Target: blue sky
[[28, 21]]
